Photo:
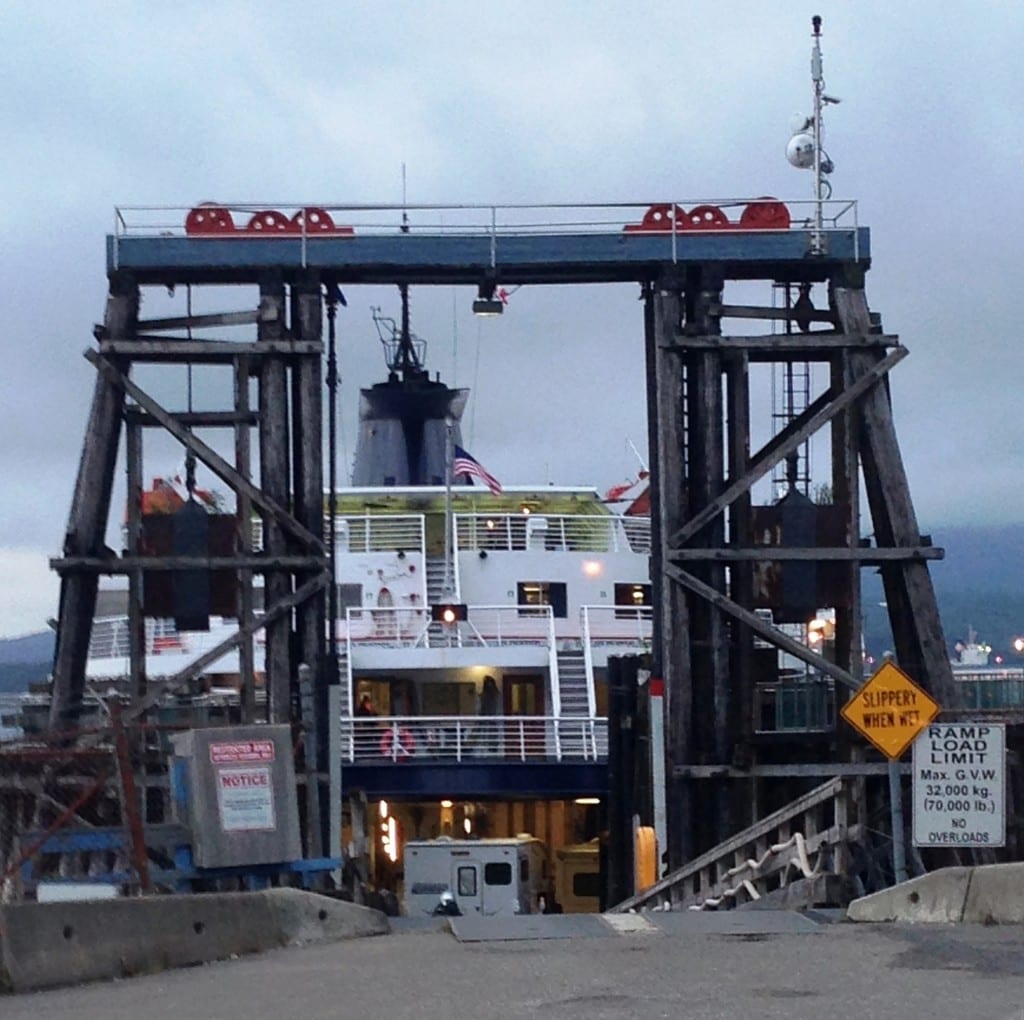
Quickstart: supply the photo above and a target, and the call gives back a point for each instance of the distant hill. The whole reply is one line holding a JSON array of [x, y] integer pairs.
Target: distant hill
[[981, 559], [979, 585], [25, 660], [30, 648]]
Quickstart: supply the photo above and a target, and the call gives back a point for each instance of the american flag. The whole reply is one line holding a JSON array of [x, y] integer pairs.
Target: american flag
[[464, 464]]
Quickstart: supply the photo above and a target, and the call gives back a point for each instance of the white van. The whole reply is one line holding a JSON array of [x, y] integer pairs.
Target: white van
[[486, 876]]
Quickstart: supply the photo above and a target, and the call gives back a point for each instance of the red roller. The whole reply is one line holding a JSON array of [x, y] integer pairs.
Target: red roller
[[209, 218], [659, 217], [765, 214], [706, 217], [270, 221], [316, 220]]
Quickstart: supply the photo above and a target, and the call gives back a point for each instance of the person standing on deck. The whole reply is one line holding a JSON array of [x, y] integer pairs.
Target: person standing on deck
[[489, 708]]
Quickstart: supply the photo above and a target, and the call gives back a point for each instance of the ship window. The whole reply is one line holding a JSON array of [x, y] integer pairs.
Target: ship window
[[349, 596], [498, 873], [467, 881], [543, 593], [524, 869], [631, 596]]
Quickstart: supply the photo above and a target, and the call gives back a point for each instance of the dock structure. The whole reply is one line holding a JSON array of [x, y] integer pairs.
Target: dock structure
[[724, 571]]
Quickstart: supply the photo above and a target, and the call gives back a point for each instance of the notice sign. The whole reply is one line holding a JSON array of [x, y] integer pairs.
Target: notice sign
[[890, 710], [238, 752], [245, 797], [960, 785]]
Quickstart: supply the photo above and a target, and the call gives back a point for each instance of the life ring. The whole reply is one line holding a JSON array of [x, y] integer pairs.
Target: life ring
[[397, 743]]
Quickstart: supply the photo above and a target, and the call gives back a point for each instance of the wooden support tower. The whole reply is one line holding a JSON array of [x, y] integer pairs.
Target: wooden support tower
[[725, 570], [709, 564], [284, 358]]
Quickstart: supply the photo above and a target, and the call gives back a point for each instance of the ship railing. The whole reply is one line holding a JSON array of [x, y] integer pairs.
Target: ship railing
[[356, 533], [590, 533], [491, 221], [386, 626], [990, 690], [473, 740], [485, 627], [630, 626], [803, 704], [379, 533], [637, 533], [110, 638]]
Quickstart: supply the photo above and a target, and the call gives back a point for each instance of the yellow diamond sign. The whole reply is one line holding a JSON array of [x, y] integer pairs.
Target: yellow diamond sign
[[890, 710]]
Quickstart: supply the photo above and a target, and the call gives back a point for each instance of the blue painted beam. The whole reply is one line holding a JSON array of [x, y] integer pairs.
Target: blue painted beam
[[550, 780], [466, 259]]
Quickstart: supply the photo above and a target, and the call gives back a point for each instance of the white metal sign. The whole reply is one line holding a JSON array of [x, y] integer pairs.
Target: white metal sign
[[245, 797], [960, 785]]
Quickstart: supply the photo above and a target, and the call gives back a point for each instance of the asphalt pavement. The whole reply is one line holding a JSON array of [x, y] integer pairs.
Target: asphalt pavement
[[932, 972]]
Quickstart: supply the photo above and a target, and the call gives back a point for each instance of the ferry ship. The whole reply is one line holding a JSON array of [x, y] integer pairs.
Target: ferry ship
[[473, 636]]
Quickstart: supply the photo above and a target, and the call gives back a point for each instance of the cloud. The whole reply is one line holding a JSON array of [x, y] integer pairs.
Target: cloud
[[28, 597], [122, 103]]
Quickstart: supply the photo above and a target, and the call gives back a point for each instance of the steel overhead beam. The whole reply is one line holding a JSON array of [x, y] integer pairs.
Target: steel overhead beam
[[817, 414], [209, 457], [766, 630]]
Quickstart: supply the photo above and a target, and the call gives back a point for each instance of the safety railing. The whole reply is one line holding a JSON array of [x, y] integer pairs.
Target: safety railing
[[991, 690], [269, 219], [366, 532], [379, 533], [588, 533], [473, 739], [389, 627], [485, 627], [629, 626], [804, 705], [109, 638], [304, 223]]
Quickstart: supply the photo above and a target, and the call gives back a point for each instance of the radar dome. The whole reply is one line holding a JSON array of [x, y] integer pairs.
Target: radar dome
[[800, 151]]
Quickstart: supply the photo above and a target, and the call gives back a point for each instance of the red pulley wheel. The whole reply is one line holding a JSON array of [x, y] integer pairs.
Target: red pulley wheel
[[270, 221], [765, 214], [209, 218], [707, 217], [317, 220]]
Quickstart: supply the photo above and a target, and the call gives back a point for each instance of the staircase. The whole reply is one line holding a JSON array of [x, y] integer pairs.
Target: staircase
[[575, 733], [437, 634], [345, 681]]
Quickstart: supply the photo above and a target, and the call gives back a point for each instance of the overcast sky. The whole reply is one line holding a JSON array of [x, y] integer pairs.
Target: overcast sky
[[111, 104]]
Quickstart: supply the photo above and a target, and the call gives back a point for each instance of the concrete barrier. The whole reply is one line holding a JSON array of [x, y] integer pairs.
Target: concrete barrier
[[996, 895], [47, 944], [987, 894], [937, 896]]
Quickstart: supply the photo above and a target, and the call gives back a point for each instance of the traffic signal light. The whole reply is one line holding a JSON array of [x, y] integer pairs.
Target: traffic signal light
[[448, 612]]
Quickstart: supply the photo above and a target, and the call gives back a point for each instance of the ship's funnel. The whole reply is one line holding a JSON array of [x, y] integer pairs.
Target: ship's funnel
[[402, 431]]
